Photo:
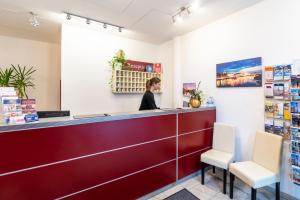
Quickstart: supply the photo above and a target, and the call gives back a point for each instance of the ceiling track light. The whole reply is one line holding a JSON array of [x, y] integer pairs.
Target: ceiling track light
[[89, 21], [33, 20], [68, 17], [185, 11]]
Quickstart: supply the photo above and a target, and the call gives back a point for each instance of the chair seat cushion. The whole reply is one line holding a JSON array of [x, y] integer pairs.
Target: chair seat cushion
[[253, 174], [217, 158]]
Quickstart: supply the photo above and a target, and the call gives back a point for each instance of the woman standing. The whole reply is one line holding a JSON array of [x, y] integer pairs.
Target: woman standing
[[148, 102]]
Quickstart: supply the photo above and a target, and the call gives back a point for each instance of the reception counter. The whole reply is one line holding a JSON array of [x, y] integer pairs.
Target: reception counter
[[122, 156]]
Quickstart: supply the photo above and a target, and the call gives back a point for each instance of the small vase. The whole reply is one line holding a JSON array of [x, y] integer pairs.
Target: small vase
[[195, 103], [118, 66]]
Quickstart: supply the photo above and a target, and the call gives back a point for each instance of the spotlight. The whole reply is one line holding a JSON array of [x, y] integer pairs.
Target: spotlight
[[88, 21], [33, 20], [120, 29], [189, 12], [68, 16], [105, 26], [177, 18]]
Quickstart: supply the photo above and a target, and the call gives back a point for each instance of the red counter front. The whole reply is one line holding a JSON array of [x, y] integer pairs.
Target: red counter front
[[122, 159]]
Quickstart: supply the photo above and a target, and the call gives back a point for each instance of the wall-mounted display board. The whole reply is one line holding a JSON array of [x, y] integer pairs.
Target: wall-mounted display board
[[282, 110], [131, 82]]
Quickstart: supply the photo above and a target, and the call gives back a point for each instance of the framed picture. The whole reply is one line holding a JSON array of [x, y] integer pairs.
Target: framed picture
[[187, 87], [242, 73]]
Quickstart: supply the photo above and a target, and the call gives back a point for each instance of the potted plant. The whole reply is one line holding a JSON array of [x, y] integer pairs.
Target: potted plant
[[6, 77], [118, 61], [22, 79], [196, 97]]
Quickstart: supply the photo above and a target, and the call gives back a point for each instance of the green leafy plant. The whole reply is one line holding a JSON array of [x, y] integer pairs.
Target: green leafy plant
[[6, 77], [196, 93], [22, 80], [118, 59]]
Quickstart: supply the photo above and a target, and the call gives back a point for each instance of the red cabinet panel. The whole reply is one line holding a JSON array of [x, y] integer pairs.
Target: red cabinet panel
[[195, 121], [189, 164], [23, 149], [65, 178], [134, 186], [195, 141]]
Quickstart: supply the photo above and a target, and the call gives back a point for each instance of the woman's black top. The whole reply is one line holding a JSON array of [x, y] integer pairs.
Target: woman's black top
[[148, 102]]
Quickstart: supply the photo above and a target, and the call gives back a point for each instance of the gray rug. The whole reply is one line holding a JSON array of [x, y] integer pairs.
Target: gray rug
[[183, 194]]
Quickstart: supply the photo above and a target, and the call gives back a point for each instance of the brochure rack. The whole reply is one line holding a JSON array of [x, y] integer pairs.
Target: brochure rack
[[282, 110]]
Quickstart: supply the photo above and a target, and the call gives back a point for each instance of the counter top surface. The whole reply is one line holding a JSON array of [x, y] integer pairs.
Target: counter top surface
[[85, 119]]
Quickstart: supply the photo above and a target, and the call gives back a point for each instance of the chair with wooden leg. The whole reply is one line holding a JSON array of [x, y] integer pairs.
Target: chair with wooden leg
[[264, 168], [223, 151]]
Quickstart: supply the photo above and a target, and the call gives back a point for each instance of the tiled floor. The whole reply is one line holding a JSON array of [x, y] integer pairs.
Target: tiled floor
[[212, 190]]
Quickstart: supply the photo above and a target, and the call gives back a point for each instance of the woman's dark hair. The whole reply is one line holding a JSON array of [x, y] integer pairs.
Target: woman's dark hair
[[151, 82]]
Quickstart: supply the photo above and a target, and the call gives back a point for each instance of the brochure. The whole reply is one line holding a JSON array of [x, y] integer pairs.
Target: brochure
[[295, 94], [278, 127], [295, 160], [286, 94], [295, 81], [269, 125], [286, 111], [269, 74], [295, 135], [287, 72], [269, 109], [294, 107], [295, 120], [296, 174], [287, 130], [278, 90], [278, 73], [278, 110], [269, 90]]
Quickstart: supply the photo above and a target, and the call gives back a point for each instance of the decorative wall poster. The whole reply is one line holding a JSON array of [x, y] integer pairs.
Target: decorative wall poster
[[242, 73], [187, 87]]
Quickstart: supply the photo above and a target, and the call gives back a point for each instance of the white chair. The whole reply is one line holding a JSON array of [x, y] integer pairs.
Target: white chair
[[264, 168], [223, 151]]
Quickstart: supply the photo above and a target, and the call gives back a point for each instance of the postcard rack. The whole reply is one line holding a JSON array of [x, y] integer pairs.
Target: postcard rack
[[131, 82], [282, 116]]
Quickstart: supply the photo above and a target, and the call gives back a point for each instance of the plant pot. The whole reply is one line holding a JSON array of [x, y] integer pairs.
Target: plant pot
[[195, 103], [118, 66]]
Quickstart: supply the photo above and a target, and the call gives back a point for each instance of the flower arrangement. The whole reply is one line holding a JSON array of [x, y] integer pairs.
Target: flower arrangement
[[118, 61], [197, 96]]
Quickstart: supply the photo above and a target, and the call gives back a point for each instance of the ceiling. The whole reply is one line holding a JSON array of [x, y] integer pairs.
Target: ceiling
[[147, 20]]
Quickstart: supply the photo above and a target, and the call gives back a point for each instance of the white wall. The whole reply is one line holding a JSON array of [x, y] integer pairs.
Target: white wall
[[86, 73], [45, 57], [269, 29]]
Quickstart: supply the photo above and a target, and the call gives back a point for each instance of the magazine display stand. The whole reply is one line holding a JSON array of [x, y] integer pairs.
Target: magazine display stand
[[282, 110]]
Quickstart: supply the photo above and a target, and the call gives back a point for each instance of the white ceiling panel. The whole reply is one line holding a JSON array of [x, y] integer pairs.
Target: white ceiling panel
[[151, 20]]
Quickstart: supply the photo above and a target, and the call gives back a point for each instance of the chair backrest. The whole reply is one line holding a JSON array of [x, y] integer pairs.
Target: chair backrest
[[224, 138], [267, 150]]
